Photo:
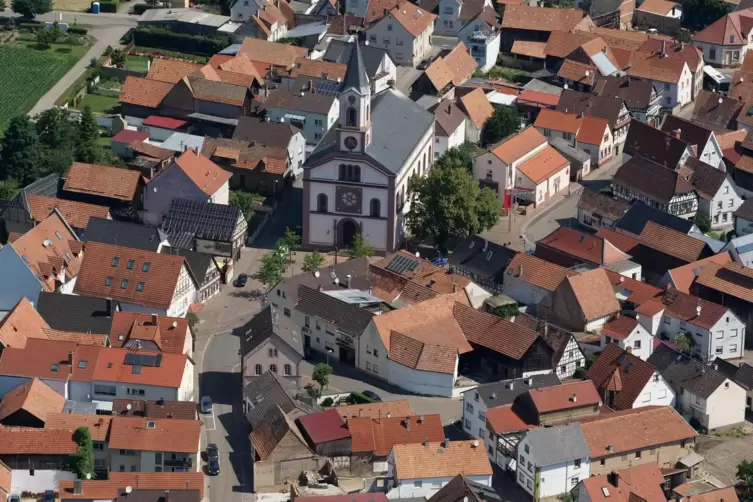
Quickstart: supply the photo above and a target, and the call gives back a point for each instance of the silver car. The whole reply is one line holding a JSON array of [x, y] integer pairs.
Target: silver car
[[206, 404]]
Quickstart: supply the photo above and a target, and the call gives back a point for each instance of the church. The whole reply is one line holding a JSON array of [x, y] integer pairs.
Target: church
[[356, 179]]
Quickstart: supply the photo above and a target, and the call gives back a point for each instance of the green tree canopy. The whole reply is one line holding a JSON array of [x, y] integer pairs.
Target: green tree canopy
[[312, 261], [698, 14], [502, 123], [745, 475], [703, 222], [82, 462], [20, 151], [272, 268], [321, 374], [243, 201], [31, 8], [449, 204], [58, 137], [462, 155], [360, 248]]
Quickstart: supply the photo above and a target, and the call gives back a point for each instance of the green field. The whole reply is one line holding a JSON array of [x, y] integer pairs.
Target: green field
[[99, 104], [137, 63], [28, 73]]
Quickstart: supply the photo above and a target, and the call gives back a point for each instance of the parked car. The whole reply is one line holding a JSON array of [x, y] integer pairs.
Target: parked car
[[372, 395], [213, 467], [212, 452], [14, 498], [206, 404], [424, 64], [49, 496], [241, 280]]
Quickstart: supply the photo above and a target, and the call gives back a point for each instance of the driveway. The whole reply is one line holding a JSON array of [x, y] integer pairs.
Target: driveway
[[723, 452]]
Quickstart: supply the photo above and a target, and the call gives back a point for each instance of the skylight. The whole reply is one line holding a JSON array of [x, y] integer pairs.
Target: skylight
[[115, 261]]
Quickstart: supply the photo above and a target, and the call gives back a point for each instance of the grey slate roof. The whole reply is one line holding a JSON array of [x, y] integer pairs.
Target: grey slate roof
[[555, 445], [397, 126], [47, 186], [345, 317], [355, 75], [462, 489], [264, 393], [263, 132], [471, 255], [205, 220], [741, 375], [639, 214], [563, 146], [683, 372], [339, 51], [308, 102], [123, 233], [78, 313], [500, 394], [198, 262], [270, 321], [358, 269]]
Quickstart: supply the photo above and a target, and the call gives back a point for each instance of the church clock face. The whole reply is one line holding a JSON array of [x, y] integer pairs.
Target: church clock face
[[350, 142], [349, 199]]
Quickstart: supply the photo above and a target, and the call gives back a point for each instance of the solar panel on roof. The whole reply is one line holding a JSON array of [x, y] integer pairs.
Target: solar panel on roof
[[400, 264], [146, 360], [158, 361], [328, 88], [131, 359], [136, 369]]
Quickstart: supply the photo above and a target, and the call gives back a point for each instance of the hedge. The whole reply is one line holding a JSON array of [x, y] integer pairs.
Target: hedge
[[75, 30], [142, 7], [162, 38], [29, 26], [109, 5]]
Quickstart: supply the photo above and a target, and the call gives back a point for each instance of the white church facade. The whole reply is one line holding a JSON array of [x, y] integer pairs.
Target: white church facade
[[356, 180]]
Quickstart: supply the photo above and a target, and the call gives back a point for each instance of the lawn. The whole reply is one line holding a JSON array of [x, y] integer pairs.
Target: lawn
[[172, 54], [28, 73], [104, 142], [72, 5], [137, 63], [99, 104]]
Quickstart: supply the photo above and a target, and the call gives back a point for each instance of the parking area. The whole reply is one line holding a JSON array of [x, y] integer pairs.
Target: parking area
[[723, 452]]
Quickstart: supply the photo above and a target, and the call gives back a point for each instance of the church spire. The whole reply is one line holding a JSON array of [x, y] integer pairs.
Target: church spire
[[355, 76]]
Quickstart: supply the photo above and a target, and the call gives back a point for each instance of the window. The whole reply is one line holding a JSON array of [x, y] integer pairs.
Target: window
[[318, 326], [638, 454], [719, 335], [83, 364], [307, 321], [386, 40], [646, 397], [481, 414], [529, 484], [105, 390], [527, 449], [317, 135], [140, 287], [145, 267], [733, 333], [375, 208], [662, 394], [666, 320], [730, 203], [576, 463], [376, 353], [719, 205], [522, 460], [376, 369], [318, 122], [273, 368], [712, 53], [726, 189], [321, 203], [372, 38], [129, 453], [467, 422], [733, 348], [447, 11], [398, 41], [272, 352], [135, 392], [530, 466], [719, 350], [257, 369], [469, 407], [637, 344], [574, 482], [108, 281], [368, 365], [389, 27], [417, 483], [603, 462], [98, 445], [115, 261], [475, 398], [624, 458], [130, 264], [124, 284], [481, 433], [287, 370], [350, 172], [286, 311]]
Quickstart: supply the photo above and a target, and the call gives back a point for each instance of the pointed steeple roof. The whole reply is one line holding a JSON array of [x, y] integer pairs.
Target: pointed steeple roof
[[355, 76]]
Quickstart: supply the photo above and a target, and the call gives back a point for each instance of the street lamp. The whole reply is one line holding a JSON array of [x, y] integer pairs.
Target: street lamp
[[329, 351]]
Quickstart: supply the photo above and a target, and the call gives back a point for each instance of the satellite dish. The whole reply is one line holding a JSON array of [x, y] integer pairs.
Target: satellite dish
[[418, 255], [128, 407], [567, 87], [316, 273], [88, 475], [129, 489]]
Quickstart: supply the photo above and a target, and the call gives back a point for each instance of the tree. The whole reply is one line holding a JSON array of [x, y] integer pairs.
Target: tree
[[360, 248], [8, 189], [272, 268], [243, 201], [31, 8], [58, 138], [684, 341], [88, 130], [291, 241], [745, 475], [312, 261], [504, 122], [703, 222], [20, 151], [698, 14], [193, 319], [47, 36], [508, 310], [462, 156], [118, 58], [448, 204], [321, 374], [3, 5], [82, 462]]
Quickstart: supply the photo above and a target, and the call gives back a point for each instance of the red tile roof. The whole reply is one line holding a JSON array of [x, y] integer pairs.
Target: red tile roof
[[75, 213], [672, 242], [144, 92], [584, 246], [29, 441], [151, 281], [518, 145], [173, 434], [114, 486], [127, 136], [537, 98], [558, 121], [163, 122], [413, 18], [682, 277], [35, 398], [538, 272], [20, 323], [379, 435], [594, 294], [324, 426], [564, 397], [543, 165], [205, 174], [47, 359], [504, 420], [495, 333], [419, 461], [685, 308], [399, 408], [637, 292], [170, 333], [641, 482], [105, 181], [619, 328], [98, 425], [660, 69], [110, 366]]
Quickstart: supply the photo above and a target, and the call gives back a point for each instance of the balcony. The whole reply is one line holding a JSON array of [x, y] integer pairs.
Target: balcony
[[179, 462], [480, 36]]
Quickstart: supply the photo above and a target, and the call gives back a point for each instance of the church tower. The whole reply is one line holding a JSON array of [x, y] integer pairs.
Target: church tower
[[354, 128]]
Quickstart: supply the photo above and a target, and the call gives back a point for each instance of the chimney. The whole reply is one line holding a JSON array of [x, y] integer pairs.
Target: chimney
[[614, 479], [610, 448], [454, 288], [167, 495], [446, 443], [677, 132], [475, 443], [698, 310], [574, 398], [407, 423], [320, 288], [426, 443], [348, 278], [360, 412], [78, 488], [512, 385], [663, 48], [421, 419], [70, 358], [310, 86], [529, 381], [449, 107], [494, 396], [388, 414]]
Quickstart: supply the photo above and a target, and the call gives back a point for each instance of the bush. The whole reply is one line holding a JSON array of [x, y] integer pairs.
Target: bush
[[328, 402], [29, 26], [183, 42], [76, 30], [109, 5], [580, 372], [359, 398]]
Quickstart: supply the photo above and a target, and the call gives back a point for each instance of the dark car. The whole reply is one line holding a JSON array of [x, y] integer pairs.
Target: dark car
[[372, 395], [212, 452], [424, 64], [241, 280], [49, 496], [213, 467]]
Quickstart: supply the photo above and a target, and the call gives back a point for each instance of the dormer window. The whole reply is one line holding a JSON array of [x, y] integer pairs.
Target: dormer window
[[108, 281], [130, 264], [146, 266], [115, 261]]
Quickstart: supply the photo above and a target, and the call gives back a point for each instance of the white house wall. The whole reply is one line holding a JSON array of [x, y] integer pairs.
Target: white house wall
[[726, 406], [425, 488], [522, 291], [427, 383], [657, 392]]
